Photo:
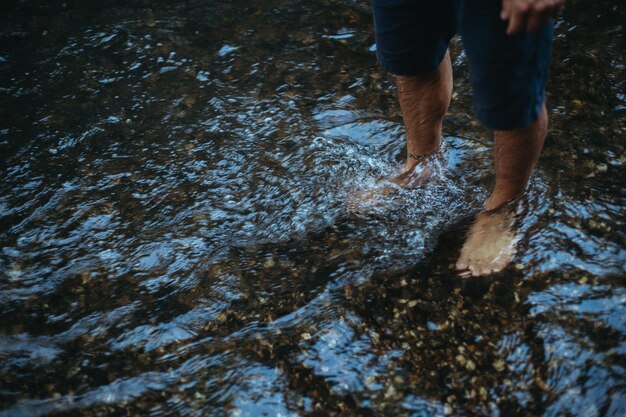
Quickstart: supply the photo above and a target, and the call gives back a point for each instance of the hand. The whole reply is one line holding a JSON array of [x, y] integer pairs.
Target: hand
[[528, 15]]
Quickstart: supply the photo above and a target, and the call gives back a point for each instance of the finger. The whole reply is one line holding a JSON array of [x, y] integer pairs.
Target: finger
[[506, 10], [537, 20], [517, 23]]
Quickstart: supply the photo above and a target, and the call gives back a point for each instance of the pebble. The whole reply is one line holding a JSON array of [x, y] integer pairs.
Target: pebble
[[577, 104], [391, 392], [499, 365]]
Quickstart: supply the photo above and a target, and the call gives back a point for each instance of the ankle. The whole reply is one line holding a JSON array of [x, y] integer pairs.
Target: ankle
[[416, 154], [496, 200]]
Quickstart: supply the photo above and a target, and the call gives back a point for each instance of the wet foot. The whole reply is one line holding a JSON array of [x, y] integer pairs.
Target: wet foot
[[413, 178], [490, 243], [420, 173], [385, 194], [377, 199]]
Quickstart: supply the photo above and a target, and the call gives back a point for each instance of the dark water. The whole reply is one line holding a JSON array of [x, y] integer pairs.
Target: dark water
[[175, 238]]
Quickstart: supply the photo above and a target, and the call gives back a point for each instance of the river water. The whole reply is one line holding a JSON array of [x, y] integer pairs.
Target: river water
[[179, 236]]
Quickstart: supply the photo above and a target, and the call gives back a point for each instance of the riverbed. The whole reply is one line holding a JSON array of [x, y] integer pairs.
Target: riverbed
[[178, 234]]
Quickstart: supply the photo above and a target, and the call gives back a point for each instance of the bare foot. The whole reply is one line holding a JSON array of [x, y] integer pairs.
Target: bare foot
[[421, 172], [384, 195], [490, 243], [371, 200]]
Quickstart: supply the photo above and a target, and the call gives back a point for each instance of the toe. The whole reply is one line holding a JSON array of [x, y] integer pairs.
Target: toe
[[465, 273], [461, 264]]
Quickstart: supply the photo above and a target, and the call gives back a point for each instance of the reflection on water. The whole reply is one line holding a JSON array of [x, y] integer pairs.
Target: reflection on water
[[175, 235]]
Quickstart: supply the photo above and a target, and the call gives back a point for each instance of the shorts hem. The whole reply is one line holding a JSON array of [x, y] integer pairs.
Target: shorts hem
[[405, 67], [510, 121]]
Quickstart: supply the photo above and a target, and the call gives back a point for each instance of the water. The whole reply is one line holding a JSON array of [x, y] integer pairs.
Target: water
[[176, 238]]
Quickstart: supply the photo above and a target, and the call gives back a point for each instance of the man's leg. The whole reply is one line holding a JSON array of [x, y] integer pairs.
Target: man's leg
[[508, 76], [424, 101], [515, 155], [490, 243], [412, 42]]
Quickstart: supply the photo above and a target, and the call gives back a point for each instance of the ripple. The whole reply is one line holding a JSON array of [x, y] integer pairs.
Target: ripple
[[178, 234]]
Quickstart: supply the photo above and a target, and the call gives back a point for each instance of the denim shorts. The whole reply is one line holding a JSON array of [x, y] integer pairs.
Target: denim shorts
[[508, 73]]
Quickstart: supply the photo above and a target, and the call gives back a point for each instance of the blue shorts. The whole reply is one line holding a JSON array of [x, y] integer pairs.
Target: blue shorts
[[508, 73]]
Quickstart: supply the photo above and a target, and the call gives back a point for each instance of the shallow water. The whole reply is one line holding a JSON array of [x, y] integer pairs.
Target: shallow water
[[176, 240]]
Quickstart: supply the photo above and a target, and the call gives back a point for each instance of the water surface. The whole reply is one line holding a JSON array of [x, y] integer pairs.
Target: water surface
[[176, 240]]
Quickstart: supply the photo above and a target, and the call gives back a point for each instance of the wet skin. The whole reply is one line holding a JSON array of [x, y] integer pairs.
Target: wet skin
[[424, 100]]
